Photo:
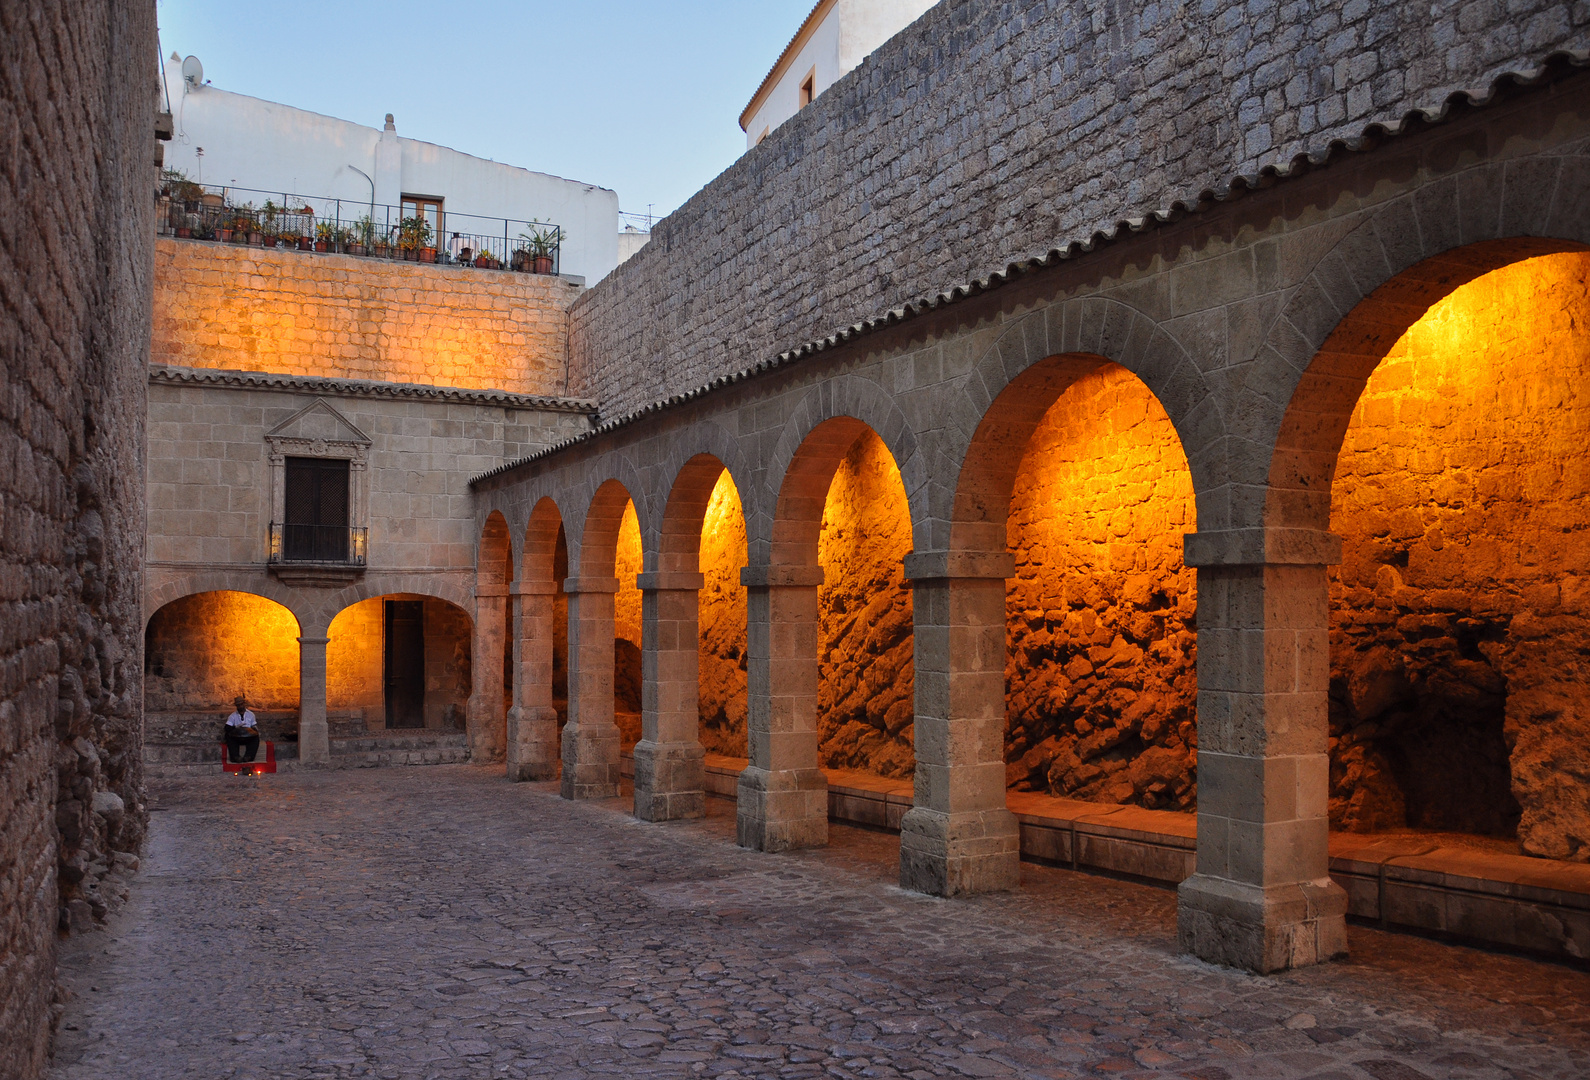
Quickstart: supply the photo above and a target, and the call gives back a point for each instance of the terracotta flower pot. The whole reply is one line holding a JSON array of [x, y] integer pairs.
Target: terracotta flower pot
[[185, 233], [543, 264], [410, 255], [427, 255], [321, 245], [224, 235]]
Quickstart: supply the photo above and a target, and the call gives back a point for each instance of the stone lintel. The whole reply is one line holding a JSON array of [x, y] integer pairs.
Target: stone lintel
[[670, 581], [942, 565], [1262, 547], [773, 577], [590, 584]]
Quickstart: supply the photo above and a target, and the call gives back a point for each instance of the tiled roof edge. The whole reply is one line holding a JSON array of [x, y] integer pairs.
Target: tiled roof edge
[[164, 375], [1235, 187]]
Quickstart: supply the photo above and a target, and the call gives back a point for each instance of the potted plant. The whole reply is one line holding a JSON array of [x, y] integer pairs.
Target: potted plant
[[414, 238], [325, 236], [362, 237], [521, 260], [268, 224], [487, 261], [291, 237], [543, 245]]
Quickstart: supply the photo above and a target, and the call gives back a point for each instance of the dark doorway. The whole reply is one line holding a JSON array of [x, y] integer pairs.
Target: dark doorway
[[404, 662], [316, 526]]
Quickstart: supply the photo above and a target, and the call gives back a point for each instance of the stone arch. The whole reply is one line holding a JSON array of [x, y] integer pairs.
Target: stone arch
[[226, 581], [200, 665], [1303, 462], [356, 672], [678, 544], [449, 588], [598, 548], [706, 440], [494, 554], [541, 541], [1107, 330], [845, 404], [608, 471]]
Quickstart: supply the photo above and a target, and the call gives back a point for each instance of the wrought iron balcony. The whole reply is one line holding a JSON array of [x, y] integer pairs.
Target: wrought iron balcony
[[319, 545]]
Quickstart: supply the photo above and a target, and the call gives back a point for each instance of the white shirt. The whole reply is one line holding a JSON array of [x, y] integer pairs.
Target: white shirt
[[246, 720]]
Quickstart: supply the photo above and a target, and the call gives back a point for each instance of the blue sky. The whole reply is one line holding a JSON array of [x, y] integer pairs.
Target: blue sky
[[642, 97]]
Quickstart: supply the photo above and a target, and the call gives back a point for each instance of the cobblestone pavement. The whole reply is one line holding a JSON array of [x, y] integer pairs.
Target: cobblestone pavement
[[441, 922]]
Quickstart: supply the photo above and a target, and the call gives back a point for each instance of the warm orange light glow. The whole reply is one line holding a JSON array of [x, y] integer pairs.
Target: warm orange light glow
[[626, 565], [354, 665], [865, 699], [722, 616], [202, 650], [1460, 616], [1100, 671]]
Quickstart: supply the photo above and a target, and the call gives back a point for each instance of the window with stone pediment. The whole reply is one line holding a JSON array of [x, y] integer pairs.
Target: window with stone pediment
[[319, 495]]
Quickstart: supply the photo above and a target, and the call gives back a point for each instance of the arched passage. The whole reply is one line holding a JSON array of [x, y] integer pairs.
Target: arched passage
[[1460, 613], [491, 669], [401, 661], [590, 738], [202, 650], [840, 496], [540, 658]]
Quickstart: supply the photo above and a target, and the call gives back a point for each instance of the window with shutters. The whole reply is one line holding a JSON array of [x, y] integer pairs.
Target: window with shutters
[[316, 528]]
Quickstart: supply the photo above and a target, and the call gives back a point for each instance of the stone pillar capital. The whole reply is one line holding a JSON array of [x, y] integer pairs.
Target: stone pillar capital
[[314, 641], [484, 591], [533, 588], [670, 580], [1262, 547], [924, 566], [773, 577], [589, 584]]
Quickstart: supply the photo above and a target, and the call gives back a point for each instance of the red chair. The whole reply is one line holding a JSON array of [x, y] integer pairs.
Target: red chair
[[267, 764]]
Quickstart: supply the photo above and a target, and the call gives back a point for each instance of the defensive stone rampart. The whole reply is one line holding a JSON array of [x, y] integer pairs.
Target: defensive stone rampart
[[77, 173], [338, 316], [988, 134]]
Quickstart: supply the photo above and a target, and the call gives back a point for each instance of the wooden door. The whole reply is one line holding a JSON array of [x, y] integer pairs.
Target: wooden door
[[404, 663]]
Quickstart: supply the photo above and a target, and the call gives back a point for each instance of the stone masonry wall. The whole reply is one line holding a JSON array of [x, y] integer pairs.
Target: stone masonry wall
[[77, 184], [338, 316], [202, 651], [865, 703], [988, 133], [356, 663], [722, 704], [1460, 619], [1101, 687]]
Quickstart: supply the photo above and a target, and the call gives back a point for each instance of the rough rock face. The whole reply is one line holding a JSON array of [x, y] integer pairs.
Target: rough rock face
[[1460, 621], [865, 702], [723, 620], [627, 563], [1100, 682], [203, 650], [76, 183]]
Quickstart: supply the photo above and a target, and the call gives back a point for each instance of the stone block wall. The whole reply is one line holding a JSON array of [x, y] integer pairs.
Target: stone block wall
[[339, 316], [77, 173], [1101, 687], [1460, 619], [865, 696], [202, 651], [986, 134]]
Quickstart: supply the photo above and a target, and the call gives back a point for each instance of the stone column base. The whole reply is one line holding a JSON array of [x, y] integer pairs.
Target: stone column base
[[1262, 929], [670, 781], [532, 743], [782, 810], [959, 854], [590, 761], [314, 743]]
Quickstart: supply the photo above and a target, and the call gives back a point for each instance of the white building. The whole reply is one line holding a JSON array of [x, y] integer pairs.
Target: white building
[[270, 148], [836, 36]]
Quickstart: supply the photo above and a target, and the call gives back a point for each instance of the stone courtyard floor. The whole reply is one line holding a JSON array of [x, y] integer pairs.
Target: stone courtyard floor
[[441, 922]]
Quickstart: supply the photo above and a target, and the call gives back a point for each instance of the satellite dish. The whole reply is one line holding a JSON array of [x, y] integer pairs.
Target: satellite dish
[[193, 71]]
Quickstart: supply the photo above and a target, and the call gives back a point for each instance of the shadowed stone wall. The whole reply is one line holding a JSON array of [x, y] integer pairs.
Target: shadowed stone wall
[[987, 133], [1101, 687], [1460, 621], [337, 316], [864, 698], [202, 651], [77, 174]]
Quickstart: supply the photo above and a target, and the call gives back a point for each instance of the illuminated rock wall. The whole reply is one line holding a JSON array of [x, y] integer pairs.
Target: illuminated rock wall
[[864, 697], [626, 629], [337, 316], [1100, 680], [723, 615], [1460, 625], [203, 650]]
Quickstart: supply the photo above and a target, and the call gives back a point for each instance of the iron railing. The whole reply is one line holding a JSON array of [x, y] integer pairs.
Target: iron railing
[[249, 216], [337, 545]]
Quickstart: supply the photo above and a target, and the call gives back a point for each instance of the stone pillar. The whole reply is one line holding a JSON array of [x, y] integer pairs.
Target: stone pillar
[[314, 738], [959, 838], [1262, 898], [783, 795], [533, 720], [590, 738], [486, 653], [669, 762]]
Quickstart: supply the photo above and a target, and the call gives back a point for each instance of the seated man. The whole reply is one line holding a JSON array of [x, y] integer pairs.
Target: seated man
[[242, 733]]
